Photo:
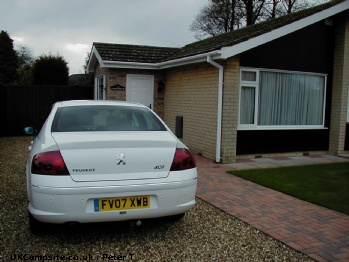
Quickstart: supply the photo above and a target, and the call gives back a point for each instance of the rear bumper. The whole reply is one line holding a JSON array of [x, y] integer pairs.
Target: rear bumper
[[61, 205]]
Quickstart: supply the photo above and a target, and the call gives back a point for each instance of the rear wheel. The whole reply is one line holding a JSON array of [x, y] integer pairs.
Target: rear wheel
[[176, 217], [36, 227]]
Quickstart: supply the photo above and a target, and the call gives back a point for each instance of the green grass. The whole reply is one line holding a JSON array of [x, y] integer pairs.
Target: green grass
[[326, 185]]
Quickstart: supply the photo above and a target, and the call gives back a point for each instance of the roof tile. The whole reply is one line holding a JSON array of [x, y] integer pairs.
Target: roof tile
[[153, 54], [133, 53]]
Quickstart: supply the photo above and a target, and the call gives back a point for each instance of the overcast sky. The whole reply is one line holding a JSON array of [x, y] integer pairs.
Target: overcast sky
[[69, 27]]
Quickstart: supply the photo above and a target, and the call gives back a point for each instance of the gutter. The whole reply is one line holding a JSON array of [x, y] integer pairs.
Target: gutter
[[219, 110], [152, 66], [188, 59]]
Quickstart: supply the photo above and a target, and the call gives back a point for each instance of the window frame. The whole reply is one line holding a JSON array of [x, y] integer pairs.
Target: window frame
[[348, 106], [256, 84], [100, 88]]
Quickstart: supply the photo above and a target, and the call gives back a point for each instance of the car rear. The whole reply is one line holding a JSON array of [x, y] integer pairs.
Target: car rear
[[108, 161]]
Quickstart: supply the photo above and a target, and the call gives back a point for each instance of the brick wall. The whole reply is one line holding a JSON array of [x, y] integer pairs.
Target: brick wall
[[191, 92], [230, 110], [340, 86], [118, 77]]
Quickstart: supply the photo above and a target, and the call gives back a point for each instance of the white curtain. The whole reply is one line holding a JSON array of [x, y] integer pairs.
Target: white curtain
[[247, 108], [290, 99]]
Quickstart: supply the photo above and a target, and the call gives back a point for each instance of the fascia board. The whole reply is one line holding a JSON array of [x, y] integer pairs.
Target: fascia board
[[162, 65], [93, 58], [190, 59], [129, 65], [227, 52]]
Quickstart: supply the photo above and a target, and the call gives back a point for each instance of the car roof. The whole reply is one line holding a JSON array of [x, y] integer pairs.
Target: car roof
[[97, 102]]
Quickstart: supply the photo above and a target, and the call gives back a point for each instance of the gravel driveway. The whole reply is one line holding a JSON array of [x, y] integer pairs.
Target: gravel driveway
[[205, 234]]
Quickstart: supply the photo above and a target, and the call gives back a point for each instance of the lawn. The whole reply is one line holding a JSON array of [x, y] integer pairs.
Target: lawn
[[326, 185]]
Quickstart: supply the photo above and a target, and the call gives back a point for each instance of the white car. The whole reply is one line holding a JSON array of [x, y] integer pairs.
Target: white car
[[98, 161]]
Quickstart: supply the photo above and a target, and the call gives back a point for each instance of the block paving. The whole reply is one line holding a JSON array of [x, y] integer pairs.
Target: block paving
[[321, 233]]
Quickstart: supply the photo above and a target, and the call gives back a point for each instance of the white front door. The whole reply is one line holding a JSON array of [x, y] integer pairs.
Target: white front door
[[140, 89]]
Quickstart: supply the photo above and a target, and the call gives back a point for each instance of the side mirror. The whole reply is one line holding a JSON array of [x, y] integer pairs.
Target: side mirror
[[29, 130]]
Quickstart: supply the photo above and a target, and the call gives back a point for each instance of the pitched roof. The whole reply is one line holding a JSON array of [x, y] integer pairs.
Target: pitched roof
[[152, 55], [133, 53], [243, 34]]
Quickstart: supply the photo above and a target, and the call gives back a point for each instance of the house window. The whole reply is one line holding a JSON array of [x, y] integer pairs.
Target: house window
[[281, 100]]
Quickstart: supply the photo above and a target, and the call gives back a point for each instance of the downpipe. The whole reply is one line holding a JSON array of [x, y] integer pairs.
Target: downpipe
[[219, 110]]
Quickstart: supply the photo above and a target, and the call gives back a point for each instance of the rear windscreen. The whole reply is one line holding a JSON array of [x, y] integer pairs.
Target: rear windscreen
[[105, 118]]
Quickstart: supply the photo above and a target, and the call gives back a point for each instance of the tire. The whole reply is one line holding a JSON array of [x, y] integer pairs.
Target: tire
[[175, 218], [35, 226]]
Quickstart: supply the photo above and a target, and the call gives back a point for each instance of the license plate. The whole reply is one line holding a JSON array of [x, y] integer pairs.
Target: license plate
[[121, 203]]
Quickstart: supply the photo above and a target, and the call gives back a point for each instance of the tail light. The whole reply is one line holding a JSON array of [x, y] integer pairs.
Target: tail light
[[49, 163], [183, 160]]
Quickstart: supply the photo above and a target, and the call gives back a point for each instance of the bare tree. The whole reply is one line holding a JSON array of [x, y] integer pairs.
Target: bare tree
[[222, 16], [291, 6], [251, 10], [216, 18], [272, 9], [87, 59], [24, 56]]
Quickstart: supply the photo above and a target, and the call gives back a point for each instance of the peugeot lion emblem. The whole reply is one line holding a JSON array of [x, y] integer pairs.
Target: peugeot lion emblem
[[121, 158]]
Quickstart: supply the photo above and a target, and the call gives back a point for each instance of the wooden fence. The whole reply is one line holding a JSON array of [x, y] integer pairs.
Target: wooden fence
[[30, 105]]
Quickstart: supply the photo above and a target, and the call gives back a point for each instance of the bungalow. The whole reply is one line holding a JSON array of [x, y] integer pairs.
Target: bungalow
[[275, 88]]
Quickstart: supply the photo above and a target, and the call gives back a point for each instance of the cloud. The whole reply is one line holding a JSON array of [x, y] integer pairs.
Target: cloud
[[77, 48], [70, 27]]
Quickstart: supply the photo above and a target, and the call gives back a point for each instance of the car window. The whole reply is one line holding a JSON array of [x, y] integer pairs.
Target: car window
[[105, 118]]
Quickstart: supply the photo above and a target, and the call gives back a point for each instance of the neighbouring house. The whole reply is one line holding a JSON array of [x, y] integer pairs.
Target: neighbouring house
[[81, 80], [275, 88]]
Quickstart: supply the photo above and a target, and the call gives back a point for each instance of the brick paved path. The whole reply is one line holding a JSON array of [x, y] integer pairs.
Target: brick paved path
[[320, 233]]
